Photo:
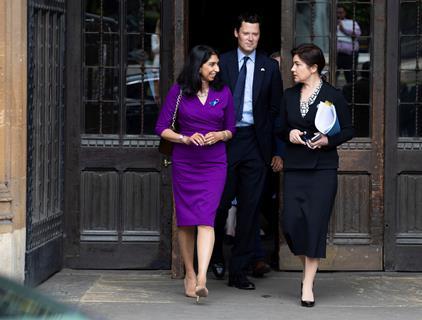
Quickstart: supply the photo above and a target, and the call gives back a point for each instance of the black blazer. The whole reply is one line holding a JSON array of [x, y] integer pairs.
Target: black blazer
[[266, 97], [300, 156]]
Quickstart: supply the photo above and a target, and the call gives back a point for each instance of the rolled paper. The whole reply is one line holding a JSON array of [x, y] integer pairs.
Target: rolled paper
[[326, 120]]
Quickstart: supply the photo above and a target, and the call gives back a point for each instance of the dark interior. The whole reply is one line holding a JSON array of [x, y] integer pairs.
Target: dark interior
[[212, 22]]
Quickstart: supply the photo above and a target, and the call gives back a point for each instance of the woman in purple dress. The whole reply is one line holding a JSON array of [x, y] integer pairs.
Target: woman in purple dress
[[206, 120]]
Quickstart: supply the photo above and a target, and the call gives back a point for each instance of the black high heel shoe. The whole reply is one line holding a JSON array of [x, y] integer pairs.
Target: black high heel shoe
[[305, 303]]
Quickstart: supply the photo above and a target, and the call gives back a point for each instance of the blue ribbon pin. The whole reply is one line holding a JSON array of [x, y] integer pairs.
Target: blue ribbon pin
[[214, 102]]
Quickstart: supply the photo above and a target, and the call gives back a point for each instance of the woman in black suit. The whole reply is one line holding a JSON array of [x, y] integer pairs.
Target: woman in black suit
[[310, 167]]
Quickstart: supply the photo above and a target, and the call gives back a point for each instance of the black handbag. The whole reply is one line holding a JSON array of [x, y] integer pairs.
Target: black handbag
[[166, 147]]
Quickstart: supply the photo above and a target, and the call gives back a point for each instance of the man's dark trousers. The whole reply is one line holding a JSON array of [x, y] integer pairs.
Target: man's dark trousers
[[245, 179]]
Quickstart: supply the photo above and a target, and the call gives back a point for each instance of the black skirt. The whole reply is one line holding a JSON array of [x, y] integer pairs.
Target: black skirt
[[308, 201]]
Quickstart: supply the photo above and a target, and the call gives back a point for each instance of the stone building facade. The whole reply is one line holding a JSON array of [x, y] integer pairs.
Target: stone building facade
[[13, 148]]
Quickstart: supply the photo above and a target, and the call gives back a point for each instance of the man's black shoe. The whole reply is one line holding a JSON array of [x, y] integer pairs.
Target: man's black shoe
[[219, 269], [240, 281], [260, 268]]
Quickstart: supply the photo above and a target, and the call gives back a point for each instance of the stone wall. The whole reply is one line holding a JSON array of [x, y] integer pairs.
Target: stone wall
[[13, 149]]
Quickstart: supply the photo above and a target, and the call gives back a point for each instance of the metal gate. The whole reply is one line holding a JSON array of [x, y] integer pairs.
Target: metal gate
[[46, 31]]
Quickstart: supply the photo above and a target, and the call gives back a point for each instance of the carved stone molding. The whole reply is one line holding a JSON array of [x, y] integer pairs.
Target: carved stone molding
[[5, 203], [5, 195]]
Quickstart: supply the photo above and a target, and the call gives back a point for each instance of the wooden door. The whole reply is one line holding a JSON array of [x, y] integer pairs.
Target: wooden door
[[403, 174], [118, 194], [355, 238], [44, 239]]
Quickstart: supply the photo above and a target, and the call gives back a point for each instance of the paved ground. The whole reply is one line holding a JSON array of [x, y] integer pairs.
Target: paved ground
[[154, 295]]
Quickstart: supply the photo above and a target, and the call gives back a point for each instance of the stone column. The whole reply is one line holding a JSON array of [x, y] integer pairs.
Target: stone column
[[13, 131]]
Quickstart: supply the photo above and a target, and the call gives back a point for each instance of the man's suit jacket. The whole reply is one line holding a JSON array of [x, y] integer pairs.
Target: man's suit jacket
[[266, 97], [300, 156]]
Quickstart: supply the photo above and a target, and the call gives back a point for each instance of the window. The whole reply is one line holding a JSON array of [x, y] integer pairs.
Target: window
[[121, 67], [410, 75], [343, 32]]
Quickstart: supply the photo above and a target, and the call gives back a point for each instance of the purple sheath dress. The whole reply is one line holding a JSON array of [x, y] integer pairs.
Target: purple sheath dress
[[199, 173]]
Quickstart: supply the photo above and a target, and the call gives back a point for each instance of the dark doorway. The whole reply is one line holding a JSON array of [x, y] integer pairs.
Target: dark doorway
[[212, 22]]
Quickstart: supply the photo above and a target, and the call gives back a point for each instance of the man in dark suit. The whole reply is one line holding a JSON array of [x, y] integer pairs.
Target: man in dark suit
[[255, 82]]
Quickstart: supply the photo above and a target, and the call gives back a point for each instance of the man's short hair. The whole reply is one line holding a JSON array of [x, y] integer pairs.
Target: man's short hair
[[248, 17]]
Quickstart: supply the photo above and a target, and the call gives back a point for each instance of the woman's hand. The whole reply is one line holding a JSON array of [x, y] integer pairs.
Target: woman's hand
[[295, 137], [321, 142], [213, 137], [197, 139]]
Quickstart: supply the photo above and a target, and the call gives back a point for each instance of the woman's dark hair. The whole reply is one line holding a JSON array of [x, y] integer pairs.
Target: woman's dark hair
[[189, 78], [248, 17], [310, 54]]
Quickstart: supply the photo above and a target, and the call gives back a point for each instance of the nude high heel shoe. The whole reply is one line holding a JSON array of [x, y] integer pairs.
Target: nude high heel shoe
[[190, 287], [201, 291]]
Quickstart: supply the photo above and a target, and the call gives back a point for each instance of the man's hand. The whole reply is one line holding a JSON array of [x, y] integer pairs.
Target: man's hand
[[276, 163], [340, 26]]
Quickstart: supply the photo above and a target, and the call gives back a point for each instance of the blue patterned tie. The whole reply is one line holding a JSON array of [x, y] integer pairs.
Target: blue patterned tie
[[239, 90]]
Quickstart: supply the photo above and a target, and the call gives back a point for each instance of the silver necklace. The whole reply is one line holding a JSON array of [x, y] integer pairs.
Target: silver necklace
[[304, 105]]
